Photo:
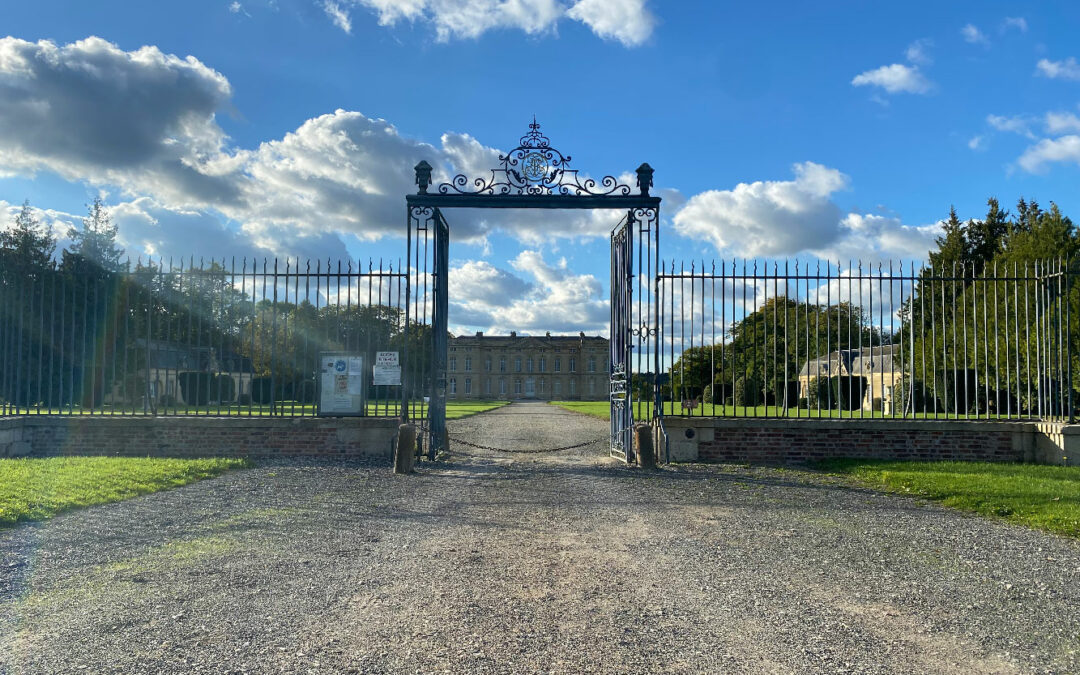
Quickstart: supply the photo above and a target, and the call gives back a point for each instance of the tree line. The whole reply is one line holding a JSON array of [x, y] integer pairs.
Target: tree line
[[79, 329], [987, 325]]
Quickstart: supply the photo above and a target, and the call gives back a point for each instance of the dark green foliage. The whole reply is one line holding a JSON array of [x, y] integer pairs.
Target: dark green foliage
[[913, 396], [262, 390], [748, 392], [195, 387]]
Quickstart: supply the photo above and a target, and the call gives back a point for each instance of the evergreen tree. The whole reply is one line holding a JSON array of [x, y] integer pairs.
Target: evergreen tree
[[953, 244], [27, 247], [94, 245], [987, 237]]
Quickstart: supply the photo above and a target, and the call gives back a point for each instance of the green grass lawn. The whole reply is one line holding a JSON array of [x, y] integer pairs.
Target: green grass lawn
[[454, 410], [673, 409], [36, 489], [1043, 497]]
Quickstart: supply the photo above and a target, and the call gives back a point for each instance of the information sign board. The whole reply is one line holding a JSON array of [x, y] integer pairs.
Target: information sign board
[[341, 384]]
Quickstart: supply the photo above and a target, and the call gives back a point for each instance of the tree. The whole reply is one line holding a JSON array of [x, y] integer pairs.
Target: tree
[[27, 247], [94, 245], [953, 245], [986, 238]]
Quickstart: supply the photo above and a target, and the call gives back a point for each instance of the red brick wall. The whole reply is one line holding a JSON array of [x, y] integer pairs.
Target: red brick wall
[[779, 441], [202, 437], [797, 446]]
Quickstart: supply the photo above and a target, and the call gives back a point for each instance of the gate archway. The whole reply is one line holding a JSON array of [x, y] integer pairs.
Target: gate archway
[[535, 175]]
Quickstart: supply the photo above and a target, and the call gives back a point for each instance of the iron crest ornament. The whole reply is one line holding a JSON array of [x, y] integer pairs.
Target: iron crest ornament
[[534, 167]]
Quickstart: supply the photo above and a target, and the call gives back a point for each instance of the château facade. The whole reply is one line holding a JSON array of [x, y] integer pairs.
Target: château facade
[[547, 368]]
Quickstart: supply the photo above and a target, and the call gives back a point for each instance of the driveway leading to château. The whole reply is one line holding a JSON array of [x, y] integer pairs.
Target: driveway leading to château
[[496, 562]]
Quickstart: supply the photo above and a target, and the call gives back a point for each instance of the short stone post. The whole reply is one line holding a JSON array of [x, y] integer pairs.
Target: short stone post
[[643, 446], [405, 450]]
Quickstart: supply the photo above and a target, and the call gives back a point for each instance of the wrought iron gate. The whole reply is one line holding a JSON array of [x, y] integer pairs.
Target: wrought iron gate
[[534, 175]]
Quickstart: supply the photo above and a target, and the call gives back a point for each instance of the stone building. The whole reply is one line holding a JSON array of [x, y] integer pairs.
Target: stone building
[[877, 366], [547, 368]]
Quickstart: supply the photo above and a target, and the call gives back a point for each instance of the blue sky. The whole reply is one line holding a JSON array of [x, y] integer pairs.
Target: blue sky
[[778, 130]]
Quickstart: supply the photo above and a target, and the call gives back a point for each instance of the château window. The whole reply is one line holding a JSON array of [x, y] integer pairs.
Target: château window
[[543, 364], [453, 363], [517, 386], [529, 365], [502, 365], [468, 363], [592, 365], [468, 385], [502, 386], [453, 386], [558, 365], [573, 365], [517, 365]]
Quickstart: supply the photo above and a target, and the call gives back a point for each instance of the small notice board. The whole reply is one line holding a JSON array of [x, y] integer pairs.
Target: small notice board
[[342, 384], [387, 369]]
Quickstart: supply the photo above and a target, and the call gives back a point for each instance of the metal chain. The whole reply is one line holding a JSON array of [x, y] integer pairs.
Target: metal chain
[[462, 441]]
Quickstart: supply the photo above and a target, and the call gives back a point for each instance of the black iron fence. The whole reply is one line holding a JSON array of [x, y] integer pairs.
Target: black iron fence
[[769, 339], [199, 338]]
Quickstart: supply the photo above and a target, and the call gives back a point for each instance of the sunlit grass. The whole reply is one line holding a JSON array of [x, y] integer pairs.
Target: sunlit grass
[[454, 410], [1043, 497], [36, 489], [643, 410]]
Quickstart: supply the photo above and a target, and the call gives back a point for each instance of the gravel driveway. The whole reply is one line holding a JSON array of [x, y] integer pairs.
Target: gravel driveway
[[533, 563]]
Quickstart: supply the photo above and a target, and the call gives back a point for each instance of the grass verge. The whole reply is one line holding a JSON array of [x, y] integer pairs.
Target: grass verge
[[36, 489], [643, 410], [1042, 497], [454, 410]]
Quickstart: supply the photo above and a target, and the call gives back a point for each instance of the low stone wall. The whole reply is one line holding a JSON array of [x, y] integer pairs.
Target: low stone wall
[[256, 437], [778, 441]]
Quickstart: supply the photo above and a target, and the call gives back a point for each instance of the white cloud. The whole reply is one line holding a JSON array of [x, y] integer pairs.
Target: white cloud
[[338, 16], [1017, 125], [870, 237], [89, 110], [1017, 22], [1062, 122], [497, 300], [976, 143], [895, 78], [236, 7], [767, 218], [1068, 69], [918, 52], [973, 35], [1064, 149], [627, 21]]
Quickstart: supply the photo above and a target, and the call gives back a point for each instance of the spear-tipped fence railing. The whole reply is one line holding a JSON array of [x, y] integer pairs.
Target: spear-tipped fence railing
[[224, 337], [771, 339]]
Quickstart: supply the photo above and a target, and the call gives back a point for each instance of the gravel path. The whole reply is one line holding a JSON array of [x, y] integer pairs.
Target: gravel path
[[531, 563]]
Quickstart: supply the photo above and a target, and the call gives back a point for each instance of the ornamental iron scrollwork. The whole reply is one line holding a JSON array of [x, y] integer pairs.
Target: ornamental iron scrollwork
[[534, 167]]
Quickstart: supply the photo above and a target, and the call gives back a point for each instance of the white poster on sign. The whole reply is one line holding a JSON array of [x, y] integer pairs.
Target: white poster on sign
[[356, 383], [386, 376], [388, 359], [341, 384]]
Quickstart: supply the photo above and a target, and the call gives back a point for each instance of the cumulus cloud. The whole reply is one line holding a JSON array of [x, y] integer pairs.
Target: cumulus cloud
[[767, 217], [1062, 122], [972, 35], [498, 300], [896, 78], [144, 122], [89, 110], [871, 237], [1050, 150], [1068, 69], [627, 21], [976, 143]]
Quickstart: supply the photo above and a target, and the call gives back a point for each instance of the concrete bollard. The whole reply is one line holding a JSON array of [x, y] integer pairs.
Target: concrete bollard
[[643, 446], [405, 450]]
